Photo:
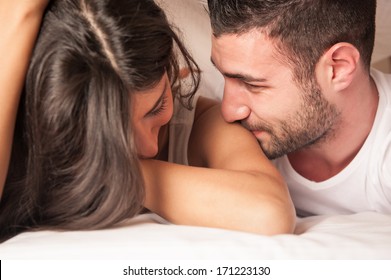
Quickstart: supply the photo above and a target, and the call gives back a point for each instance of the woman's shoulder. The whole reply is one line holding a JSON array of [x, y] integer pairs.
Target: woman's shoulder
[[203, 105]]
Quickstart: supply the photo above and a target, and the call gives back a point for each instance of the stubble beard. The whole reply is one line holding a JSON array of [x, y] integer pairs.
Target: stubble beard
[[312, 124]]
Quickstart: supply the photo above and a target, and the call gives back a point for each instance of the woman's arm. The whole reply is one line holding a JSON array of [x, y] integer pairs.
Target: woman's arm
[[19, 25], [240, 189]]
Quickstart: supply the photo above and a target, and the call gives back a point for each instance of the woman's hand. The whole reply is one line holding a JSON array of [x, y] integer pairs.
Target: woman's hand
[[27, 5], [11, 9], [19, 24]]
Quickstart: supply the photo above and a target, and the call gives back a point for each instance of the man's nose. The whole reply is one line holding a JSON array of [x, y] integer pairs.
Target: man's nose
[[234, 105]]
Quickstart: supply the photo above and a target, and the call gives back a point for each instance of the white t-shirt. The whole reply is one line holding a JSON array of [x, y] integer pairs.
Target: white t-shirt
[[180, 127], [365, 184]]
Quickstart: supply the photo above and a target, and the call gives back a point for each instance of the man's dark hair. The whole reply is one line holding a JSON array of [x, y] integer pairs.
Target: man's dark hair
[[302, 30]]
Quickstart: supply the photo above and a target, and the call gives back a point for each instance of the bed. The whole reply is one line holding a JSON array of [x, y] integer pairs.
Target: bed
[[362, 236], [149, 237]]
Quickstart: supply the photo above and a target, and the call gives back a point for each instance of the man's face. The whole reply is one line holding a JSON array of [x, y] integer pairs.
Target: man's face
[[260, 92]]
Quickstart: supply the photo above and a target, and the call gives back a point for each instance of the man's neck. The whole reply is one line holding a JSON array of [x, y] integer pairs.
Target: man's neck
[[324, 160]]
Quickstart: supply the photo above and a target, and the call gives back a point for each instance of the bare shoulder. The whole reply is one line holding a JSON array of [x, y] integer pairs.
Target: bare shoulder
[[204, 104]]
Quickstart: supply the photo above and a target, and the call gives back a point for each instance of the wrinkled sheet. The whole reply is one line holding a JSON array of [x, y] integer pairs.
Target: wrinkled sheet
[[359, 236]]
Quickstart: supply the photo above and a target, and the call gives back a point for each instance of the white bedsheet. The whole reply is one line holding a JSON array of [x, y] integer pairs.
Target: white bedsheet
[[359, 236]]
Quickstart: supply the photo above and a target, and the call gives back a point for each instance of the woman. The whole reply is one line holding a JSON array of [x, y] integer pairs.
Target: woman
[[95, 142]]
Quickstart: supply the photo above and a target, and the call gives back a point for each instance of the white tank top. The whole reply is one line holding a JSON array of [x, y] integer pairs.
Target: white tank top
[[179, 132]]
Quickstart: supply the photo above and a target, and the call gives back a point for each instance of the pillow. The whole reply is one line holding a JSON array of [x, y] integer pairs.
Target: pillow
[[192, 22]]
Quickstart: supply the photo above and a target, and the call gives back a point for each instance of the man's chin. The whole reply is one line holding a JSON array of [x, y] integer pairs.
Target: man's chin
[[271, 153]]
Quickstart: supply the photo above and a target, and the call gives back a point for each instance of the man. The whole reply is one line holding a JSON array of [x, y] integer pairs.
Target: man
[[297, 74]]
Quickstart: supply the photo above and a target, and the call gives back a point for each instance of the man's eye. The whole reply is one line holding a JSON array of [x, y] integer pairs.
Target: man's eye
[[252, 86]]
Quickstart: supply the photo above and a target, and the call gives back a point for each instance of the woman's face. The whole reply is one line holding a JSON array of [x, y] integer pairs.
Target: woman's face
[[151, 109]]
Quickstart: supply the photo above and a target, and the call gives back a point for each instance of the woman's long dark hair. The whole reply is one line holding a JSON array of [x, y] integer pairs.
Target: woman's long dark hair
[[74, 164]]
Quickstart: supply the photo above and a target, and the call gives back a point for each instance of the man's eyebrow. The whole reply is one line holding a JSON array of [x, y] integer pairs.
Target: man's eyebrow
[[158, 102], [240, 76]]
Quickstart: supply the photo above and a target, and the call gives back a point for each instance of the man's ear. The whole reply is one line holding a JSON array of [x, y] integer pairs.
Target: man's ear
[[338, 65]]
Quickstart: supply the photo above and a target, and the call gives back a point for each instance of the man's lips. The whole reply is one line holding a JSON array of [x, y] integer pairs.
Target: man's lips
[[257, 133]]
